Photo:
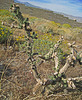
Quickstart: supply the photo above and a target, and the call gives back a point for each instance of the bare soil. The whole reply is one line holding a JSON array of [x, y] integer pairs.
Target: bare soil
[[18, 81]]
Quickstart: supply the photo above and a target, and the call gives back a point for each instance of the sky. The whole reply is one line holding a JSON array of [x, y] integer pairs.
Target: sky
[[70, 7]]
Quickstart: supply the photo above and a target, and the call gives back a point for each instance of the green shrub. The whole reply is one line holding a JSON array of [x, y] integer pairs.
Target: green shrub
[[42, 46], [32, 19], [39, 46], [59, 25], [5, 15], [60, 31], [10, 19], [66, 25], [4, 34], [50, 30], [4, 12]]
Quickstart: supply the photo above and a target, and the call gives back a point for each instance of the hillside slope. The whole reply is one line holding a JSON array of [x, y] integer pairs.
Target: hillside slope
[[5, 4], [41, 13]]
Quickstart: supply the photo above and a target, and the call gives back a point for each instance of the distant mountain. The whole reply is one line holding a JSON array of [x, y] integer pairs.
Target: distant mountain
[[26, 4], [79, 19]]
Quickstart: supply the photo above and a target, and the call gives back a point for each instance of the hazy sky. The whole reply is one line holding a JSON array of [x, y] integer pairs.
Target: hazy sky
[[71, 7]]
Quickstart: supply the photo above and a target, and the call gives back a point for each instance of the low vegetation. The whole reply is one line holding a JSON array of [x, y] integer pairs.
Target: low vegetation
[[5, 35]]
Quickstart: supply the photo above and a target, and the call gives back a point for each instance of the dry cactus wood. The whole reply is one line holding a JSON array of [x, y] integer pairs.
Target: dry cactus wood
[[71, 58], [48, 56]]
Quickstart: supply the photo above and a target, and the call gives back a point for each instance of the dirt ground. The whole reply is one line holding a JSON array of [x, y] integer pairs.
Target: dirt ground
[[17, 81]]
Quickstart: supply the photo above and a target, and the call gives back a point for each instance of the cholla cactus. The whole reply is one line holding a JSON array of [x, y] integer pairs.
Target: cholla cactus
[[23, 22], [59, 75], [16, 10]]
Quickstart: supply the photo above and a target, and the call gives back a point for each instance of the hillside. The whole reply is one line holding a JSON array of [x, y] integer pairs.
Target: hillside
[[41, 13], [5, 4]]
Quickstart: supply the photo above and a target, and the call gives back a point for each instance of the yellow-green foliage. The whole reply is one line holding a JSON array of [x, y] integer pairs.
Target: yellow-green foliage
[[49, 37], [5, 15], [41, 46], [45, 26], [53, 39], [65, 47], [20, 38], [33, 19], [4, 12], [53, 23], [78, 28], [58, 24], [4, 34], [66, 25]]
